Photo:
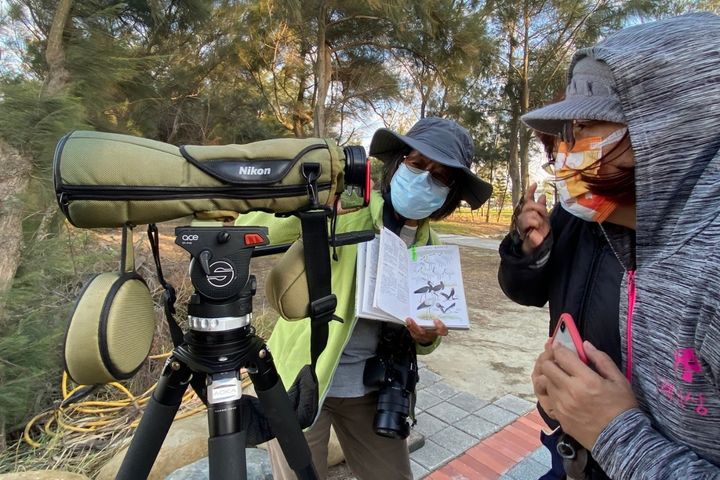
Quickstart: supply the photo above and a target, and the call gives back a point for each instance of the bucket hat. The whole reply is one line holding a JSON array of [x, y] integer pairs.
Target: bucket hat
[[442, 141], [590, 95]]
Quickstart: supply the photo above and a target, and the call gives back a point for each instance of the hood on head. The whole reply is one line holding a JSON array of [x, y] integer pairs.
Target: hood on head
[[667, 75]]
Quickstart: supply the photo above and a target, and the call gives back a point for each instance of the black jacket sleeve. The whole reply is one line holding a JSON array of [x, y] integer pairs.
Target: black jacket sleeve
[[521, 277]]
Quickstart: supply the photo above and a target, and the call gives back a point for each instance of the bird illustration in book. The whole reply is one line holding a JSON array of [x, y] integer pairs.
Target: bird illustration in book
[[433, 297], [443, 308], [449, 296]]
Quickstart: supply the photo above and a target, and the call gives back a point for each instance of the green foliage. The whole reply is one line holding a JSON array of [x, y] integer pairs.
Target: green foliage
[[36, 313], [33, 124]]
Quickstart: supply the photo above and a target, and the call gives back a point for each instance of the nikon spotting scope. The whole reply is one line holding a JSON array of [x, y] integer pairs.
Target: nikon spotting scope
[[111, 180]]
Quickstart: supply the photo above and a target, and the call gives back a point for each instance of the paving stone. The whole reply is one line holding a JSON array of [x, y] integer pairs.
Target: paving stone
[[542, 456], [496, 415], [418, 471], [427, 378], [514, 404], [428, 424], [454, 440], [415, 440], [426, 400], [257, 466], [527, 469], [468, 402], [477, 427], [432, 455], [442, 390], [447, 412]]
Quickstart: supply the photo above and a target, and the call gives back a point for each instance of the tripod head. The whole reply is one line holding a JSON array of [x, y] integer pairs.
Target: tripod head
[[219, 271], [220, 309]]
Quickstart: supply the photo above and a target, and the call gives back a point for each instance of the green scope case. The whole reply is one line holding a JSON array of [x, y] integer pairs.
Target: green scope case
[[111, 180]]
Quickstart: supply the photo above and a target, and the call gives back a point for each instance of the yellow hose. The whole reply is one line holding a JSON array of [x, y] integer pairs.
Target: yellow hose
[[104, 417]]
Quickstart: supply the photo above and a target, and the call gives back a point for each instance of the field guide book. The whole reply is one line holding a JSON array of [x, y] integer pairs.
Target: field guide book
[[424, 283]]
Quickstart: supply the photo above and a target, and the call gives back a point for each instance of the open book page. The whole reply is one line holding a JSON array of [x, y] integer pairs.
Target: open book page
[[391, 289], [367, 275], [436, 286]]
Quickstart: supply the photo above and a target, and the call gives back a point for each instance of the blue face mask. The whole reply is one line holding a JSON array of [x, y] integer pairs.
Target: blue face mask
[[414, 193]]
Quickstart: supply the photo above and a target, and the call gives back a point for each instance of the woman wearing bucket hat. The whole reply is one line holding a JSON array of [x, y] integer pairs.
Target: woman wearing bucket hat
[[638, 146], [426, 175]]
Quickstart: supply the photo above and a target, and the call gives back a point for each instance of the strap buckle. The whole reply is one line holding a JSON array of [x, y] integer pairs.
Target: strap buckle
[[324, 307]]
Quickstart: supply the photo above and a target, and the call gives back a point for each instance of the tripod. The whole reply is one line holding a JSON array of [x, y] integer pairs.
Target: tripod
[[220, 342]]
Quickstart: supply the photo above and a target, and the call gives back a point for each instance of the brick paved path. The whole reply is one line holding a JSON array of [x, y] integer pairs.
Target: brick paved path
[[469, 438]]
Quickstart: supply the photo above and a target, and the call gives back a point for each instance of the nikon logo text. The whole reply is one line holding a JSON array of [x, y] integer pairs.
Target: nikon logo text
[[254, 171]]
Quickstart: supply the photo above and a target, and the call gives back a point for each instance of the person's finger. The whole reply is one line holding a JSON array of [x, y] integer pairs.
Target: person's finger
[[535, 238], [529, 221], [540, 385], [418, 333], [570, 362], [530, 192], [440, 328], [413, 327], [556, 376], [545, 355], [603, 363], [543, 201], [537, 207]]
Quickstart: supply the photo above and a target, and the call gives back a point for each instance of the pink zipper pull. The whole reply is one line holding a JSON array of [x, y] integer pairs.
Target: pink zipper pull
[[631, 307]]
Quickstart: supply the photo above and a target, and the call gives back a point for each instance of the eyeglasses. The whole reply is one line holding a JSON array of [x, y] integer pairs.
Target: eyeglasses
[[440, 174], [549, 166], [567, 132]]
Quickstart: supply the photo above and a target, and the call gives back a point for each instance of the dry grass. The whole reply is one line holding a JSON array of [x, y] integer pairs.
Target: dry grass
[[467, 222]]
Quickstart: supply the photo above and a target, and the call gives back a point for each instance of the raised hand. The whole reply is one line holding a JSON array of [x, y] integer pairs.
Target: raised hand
[[532, 223]]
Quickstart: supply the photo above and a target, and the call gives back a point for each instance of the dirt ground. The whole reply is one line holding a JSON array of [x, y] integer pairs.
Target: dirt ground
[[496, 356]]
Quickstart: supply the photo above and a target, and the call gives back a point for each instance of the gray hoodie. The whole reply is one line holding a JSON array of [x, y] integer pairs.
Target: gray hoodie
[[668, 79]]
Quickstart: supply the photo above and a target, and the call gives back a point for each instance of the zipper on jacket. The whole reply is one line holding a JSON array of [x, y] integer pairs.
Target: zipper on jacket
[[631, 309]]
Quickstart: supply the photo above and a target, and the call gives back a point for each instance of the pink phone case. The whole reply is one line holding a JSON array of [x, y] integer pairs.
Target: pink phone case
[[566, 333]]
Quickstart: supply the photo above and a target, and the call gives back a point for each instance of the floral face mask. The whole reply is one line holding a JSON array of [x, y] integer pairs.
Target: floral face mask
[[575, 195]]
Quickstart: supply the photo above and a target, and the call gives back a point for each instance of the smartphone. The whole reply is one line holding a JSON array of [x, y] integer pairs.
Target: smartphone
[[567, 335]]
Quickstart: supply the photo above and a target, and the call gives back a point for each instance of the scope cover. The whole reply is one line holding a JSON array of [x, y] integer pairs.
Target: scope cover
[[110, 180]]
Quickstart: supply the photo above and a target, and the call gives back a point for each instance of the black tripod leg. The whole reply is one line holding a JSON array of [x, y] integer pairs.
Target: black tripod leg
[[155, 422], [227, 456], [283, 419], [226, 445]]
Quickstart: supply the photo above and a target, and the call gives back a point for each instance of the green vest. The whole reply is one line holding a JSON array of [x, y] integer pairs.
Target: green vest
[[290, 340]]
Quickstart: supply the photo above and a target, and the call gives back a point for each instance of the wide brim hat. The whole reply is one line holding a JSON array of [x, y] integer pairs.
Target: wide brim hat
[[590, 95], [442, 141]]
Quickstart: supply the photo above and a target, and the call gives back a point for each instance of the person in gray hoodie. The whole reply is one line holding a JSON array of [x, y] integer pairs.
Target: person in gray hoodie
[[640, 147]]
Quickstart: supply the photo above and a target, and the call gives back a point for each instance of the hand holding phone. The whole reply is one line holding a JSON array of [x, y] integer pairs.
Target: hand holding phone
[[567, 335]]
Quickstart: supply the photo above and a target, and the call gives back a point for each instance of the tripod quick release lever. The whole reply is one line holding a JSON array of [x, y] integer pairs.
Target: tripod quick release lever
[[205, 257]]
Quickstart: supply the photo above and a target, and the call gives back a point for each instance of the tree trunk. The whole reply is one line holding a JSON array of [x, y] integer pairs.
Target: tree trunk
[[524, 156], [58, 77], [14, 179], [512, 95], [513, 164], [323, 73], [523, 133], [300, 116]]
